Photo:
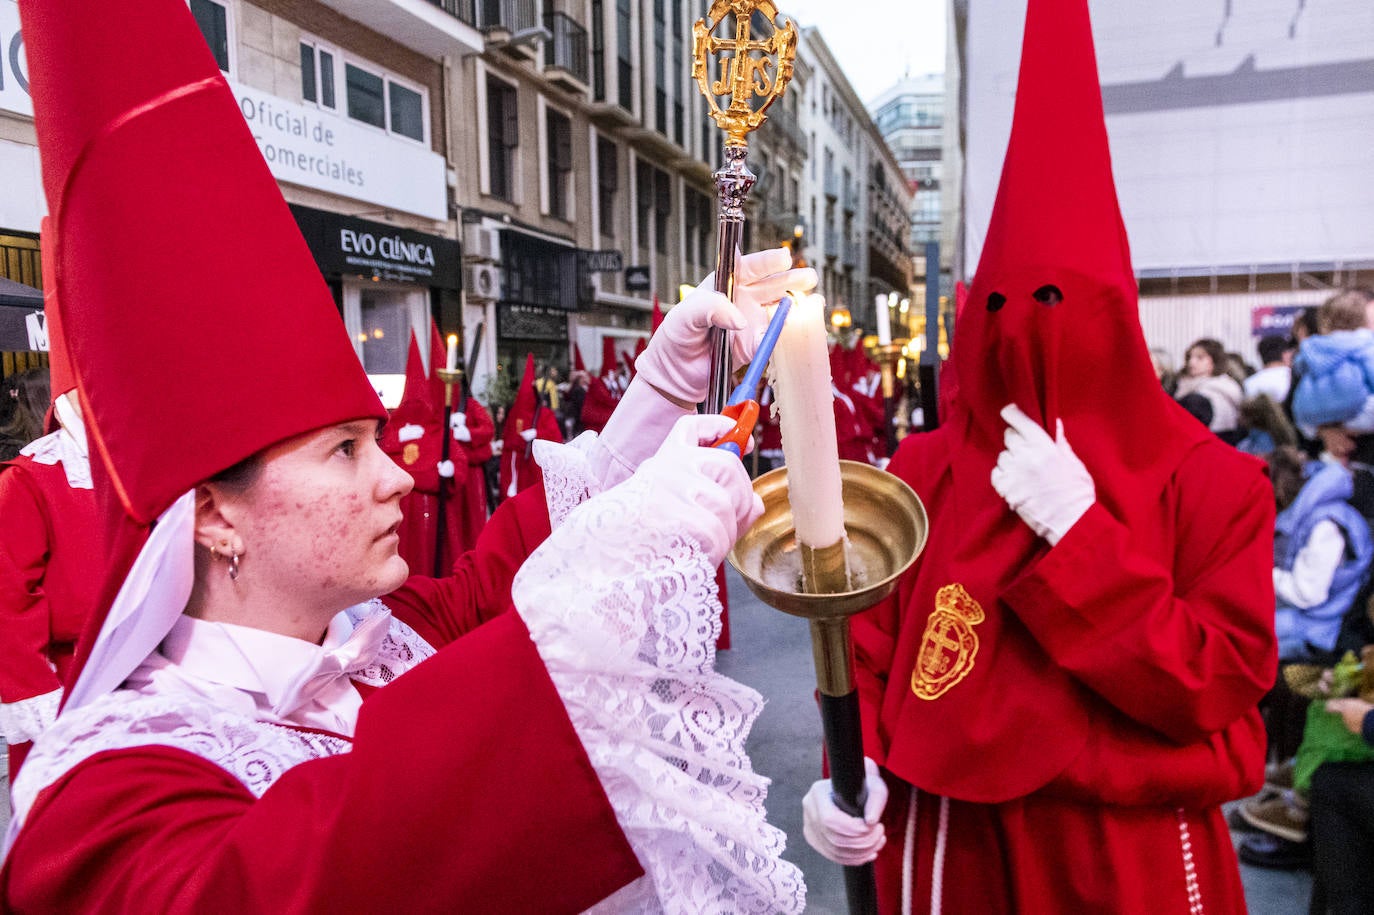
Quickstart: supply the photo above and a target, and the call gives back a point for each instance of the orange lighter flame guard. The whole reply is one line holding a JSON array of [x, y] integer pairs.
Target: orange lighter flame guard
[[746, 416]]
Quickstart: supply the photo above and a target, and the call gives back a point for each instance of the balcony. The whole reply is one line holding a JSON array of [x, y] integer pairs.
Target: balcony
[[832, 243], [431, 27], [782, 127], [566, 63], [512, 26], [832, 185], [851, 253], [851, 198]]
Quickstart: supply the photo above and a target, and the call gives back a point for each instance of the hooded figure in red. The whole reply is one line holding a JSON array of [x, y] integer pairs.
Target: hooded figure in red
[[413, 438], [527, 420], [1063, 689], [50, 556], [472, 430]]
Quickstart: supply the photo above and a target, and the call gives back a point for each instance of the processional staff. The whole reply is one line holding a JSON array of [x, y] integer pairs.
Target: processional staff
[[881, 526]]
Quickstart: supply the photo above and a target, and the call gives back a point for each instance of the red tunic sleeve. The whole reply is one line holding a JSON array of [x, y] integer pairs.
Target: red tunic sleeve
[[1185, 650], [478, 450], [442, 609], [466, 790], [26, 670]]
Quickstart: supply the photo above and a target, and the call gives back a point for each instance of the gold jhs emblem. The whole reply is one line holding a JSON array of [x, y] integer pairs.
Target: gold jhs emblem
[[949, 644], [410, 453]]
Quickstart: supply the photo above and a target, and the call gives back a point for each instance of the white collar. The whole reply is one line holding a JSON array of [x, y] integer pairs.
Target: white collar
[[244, 658]]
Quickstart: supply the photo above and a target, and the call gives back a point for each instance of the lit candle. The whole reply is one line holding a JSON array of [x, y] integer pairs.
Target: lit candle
[[884, 321], [452, 363], [801, 382]]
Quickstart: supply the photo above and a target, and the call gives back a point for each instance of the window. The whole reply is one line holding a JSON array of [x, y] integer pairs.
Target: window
[[317, 75], [371, 95], [663, 208], [624, 71], [607, 183], [644, 202], [559, 142], [678, 70], [598, 52], [660, 68], [366, 101], [407, 111], [503, 136], [213, 19]]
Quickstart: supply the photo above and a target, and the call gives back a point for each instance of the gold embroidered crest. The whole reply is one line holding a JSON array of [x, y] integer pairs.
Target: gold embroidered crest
[[949, 644], [410, 453]]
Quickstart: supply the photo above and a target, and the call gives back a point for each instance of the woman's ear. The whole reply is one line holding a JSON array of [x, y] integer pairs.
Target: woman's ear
[[214, 530]]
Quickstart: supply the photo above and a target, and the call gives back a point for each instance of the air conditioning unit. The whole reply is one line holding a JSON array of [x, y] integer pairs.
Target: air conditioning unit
[[481, 243], [483, 282]]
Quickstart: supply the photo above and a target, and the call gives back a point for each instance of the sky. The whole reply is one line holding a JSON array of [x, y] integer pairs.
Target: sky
[[876, 41]]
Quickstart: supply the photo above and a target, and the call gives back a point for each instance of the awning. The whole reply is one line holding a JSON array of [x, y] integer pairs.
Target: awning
[[20, 327]]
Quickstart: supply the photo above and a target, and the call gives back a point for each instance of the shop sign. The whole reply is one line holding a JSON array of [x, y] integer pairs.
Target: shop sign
[[1273, 319], [14, 71], [636, 279], [531, 322], [601, 261], [345, 246], [316, 149]]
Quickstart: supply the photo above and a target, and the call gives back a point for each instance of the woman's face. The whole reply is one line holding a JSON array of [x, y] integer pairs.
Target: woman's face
[[1199, 362], [320, 521]]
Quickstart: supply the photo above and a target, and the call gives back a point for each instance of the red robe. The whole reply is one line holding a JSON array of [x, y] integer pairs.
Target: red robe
[[1135, 688], [472, 508], [159, 829], [50, 565], [419, 457], [852, 434], [519, 471]]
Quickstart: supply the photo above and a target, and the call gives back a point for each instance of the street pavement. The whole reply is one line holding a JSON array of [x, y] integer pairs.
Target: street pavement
[[772, 653]]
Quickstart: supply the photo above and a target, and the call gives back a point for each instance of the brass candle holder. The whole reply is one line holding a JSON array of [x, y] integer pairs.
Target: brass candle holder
[[885, 530], [449, 377], [887, 355]]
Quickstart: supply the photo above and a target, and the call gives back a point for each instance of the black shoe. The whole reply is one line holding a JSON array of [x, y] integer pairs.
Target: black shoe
[[1265, 850]]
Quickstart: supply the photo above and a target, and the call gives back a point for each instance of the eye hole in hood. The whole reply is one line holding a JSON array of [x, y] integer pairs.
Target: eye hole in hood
[[995, 301]]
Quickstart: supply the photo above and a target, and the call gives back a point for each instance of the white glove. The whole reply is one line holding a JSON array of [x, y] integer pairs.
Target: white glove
[[458, 422], [446, 469], [1040, 478], [529, 434], [678, 359], [703, 492], [835, 834]]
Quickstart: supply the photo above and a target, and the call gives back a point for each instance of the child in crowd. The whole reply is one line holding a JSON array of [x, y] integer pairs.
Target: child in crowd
[[1335, 369]]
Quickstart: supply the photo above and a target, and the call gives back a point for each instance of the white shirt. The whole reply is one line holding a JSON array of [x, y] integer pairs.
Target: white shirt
[[251, 671], [1273, 381]]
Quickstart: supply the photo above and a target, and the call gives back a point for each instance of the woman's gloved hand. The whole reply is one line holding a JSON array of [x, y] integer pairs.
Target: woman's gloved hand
[[677, 360]]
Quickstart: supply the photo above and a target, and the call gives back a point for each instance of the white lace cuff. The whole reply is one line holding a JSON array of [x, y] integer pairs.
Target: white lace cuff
[[625, 617], [568, 476], [24, 720]]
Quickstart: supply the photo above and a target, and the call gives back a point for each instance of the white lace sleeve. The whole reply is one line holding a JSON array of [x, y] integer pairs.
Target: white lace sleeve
[[569, 479], [627, 631]]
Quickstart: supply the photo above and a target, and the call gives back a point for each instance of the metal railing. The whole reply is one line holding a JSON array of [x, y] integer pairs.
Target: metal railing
[[463, 10], [511, 15], [568, 49]]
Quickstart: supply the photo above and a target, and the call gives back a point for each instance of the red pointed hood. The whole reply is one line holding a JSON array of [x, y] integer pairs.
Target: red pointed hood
[[438, 351], [656, 318], [1052, 311], [578, 364], [521, 415], [162, 155], [610, 362], [418, 387], [1051, 325], [227, 363]]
